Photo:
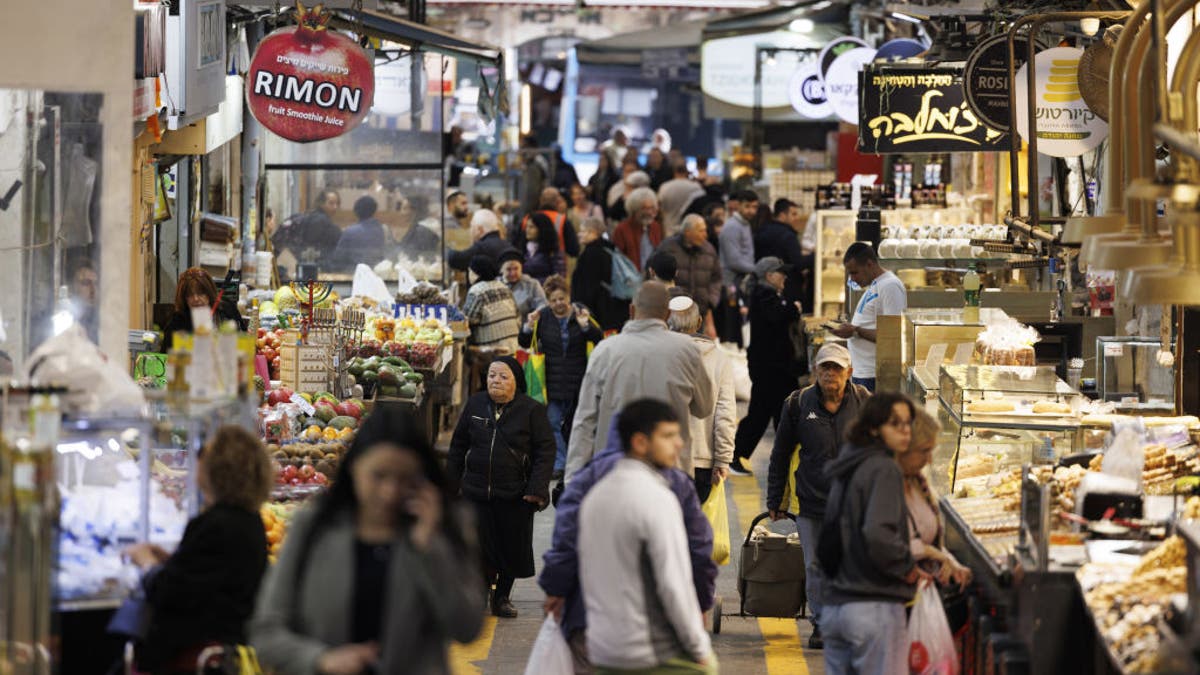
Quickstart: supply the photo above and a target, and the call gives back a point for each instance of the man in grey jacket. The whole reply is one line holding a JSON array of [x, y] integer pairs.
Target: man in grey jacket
[[737, 239], [645, 360]]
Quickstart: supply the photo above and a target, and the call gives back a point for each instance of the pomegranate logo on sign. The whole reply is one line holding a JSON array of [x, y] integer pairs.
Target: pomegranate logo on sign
[[308, 83]]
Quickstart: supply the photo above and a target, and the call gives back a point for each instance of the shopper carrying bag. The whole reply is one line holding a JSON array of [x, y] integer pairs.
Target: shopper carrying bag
[[550, 655]]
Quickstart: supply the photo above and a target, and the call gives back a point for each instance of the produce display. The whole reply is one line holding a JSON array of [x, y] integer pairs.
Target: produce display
[[387, 376], [421, 294], [276, 517], [267, 343]]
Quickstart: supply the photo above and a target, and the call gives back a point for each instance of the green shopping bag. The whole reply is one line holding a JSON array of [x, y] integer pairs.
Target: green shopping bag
[[534, 364]]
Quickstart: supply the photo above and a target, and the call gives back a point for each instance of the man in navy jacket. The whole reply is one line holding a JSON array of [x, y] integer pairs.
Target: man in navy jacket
[[560, 575]]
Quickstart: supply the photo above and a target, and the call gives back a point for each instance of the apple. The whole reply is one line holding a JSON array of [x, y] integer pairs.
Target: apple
[[306, 472], [288, 473], [262, 332], [320, 479]]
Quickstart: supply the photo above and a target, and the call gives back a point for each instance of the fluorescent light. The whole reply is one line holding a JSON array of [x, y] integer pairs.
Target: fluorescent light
[[1090, 26], [905, 17], [801, 26]]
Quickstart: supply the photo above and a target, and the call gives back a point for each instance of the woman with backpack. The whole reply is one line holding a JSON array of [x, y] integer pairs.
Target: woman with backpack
[[376, 576], [591, 284], [864, 543]]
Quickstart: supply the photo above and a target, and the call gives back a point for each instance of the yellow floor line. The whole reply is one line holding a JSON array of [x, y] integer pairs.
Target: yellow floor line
[[782, 649], [467, 659]]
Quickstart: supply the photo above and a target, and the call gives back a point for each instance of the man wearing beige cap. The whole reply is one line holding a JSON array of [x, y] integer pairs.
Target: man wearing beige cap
[[814, 425]]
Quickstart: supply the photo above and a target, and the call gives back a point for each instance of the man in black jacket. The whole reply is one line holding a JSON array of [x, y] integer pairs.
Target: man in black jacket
[[485, 227], [814, 424], [778, 238], [769, 357], [313, 230]]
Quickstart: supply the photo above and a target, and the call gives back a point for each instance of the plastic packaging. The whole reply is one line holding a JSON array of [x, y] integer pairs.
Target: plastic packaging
[[550, 655], [931, 645]]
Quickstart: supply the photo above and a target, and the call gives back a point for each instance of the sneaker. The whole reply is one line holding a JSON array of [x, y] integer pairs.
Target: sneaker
[[815, 640], [740, 467]]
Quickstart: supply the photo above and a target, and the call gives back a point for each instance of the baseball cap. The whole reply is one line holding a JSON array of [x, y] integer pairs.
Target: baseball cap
[[770, 264], [833, 352]]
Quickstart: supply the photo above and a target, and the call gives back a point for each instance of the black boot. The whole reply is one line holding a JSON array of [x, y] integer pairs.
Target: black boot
[[503, 608], [815, 641]]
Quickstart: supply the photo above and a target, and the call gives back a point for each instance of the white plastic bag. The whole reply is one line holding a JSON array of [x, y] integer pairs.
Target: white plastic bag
[[405, 281], [550, 655], [931, 645], [97, 384], [367, 284]]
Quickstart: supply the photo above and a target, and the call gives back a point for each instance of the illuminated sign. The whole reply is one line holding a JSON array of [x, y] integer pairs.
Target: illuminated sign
[[1066, 127], [919, 109]]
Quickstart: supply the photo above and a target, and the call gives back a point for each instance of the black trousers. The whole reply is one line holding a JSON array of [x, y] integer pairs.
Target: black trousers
[[703, 480], [768, 390]]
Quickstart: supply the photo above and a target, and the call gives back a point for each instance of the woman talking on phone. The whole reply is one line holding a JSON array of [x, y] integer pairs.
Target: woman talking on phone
[[562, 331], [376, 577]]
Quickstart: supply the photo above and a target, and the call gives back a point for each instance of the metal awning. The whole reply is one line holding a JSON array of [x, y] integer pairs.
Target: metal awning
[[778, 18], [417, 36], [627, 48]]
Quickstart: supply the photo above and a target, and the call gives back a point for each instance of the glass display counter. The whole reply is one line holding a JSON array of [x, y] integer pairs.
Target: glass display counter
[[835, 233], [1129, 374], [925, 329], [996, 418]]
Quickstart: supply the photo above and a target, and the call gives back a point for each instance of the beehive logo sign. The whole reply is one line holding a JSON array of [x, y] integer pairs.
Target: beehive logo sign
[[1066, 127]]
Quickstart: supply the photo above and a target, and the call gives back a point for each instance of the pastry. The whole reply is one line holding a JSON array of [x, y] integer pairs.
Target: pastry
[[1000, 405], [1043, 407]]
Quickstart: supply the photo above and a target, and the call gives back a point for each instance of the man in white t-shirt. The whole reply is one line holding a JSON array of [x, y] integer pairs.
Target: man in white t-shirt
[[884, 295]]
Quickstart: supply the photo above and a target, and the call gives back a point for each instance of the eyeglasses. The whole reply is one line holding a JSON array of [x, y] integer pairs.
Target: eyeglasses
[[900, 424]]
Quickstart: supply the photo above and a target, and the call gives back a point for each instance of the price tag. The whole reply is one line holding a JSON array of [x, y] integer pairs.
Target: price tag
[[305, 406], [962, 353], [1114, 349]]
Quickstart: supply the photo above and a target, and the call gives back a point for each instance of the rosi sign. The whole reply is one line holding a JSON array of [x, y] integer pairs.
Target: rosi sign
[[913, 110], [307, 83]]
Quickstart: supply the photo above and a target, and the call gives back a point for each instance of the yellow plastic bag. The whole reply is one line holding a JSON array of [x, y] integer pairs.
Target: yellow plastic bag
[[717, 513], [789, 491]]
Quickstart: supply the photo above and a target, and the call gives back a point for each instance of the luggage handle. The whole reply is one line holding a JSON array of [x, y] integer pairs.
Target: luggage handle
[[759, 518]]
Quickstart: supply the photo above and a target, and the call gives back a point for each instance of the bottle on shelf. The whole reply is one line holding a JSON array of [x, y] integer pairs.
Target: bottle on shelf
[[971, 286]]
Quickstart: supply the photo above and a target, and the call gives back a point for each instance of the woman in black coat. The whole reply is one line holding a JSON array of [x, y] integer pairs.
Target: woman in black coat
[[566, 359], [196, 289], [502, 452], [203, 594], [592, 279]]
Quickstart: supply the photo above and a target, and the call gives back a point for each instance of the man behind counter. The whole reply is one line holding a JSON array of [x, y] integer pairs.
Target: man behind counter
[[313, 230], [883, 295]]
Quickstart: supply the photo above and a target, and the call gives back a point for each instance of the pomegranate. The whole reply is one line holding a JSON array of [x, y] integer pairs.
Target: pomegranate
[[308, 83]]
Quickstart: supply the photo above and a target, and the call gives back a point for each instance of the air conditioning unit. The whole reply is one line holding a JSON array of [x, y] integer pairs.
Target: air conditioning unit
[[196, 60]]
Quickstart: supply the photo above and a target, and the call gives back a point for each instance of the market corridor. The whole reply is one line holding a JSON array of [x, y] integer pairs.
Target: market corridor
[[746, 645]]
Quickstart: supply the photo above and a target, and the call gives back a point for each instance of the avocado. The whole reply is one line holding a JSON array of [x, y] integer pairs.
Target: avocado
[[370, 377], [409, 390], [415, 378], [389, 390], [314, 422], [343, 422], [398, 362], [388, 375]]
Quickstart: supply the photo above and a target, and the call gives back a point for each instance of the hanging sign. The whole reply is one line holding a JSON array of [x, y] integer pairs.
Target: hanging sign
[[841, 82], [308, 83], [985, 79], [806, 91], [1066, 127], [911, 109], [836, 48]]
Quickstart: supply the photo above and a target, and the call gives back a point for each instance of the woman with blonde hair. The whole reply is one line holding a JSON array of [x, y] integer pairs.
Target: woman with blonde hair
[[925, 521]]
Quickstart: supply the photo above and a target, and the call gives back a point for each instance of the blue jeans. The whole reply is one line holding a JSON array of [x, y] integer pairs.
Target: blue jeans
[[865, 638], [814, 578], [868, 382], [559, 412]]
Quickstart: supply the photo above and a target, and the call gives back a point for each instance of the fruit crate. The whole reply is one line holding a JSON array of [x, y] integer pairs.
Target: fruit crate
[[304, 368]]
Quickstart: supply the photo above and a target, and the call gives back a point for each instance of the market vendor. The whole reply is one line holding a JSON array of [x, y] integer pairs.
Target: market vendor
[[883, 295], [197, 289]]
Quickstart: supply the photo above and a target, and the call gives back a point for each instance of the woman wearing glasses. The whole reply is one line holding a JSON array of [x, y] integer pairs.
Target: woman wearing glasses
[[866, 522]]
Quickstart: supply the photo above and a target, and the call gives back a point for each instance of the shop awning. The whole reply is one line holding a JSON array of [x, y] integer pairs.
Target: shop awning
[[627, 49], [778, 18], [417, 36]]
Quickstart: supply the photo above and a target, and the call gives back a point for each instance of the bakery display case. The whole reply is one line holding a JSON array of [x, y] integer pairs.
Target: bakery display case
[[932, 336], [1131, 373], [997, 418]]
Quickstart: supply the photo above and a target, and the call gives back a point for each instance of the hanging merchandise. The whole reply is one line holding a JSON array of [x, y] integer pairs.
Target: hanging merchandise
[[308, 83], [1066, 127]]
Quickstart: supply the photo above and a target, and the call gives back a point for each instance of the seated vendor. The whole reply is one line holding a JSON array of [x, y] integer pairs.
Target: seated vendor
[[196, 289]]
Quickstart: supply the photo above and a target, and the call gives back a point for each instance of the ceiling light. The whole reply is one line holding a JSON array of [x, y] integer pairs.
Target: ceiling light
[[905, 17], [1090, 26], [801, 26]]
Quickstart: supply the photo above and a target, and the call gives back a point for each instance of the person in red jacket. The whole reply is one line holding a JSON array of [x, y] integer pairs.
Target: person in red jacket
[[638, 235]]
